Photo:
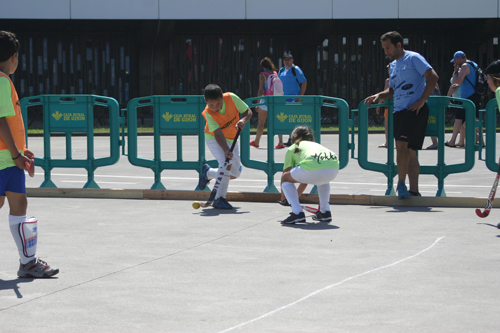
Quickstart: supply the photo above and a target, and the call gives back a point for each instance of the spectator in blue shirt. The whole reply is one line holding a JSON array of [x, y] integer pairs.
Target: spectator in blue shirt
[[294, 83]]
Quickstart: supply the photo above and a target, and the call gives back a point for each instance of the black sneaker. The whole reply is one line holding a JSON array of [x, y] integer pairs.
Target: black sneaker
[[226, 203], [288, 143], [323, 217], [221, 203], [202, 184], [295, 218]]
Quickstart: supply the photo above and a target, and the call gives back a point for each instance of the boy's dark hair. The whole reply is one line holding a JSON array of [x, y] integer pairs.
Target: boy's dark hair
[[212, 92], [394, 36], [9, 45]]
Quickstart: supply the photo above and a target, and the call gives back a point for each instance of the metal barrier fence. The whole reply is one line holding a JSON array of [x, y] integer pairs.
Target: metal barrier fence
[[181, 115], [177, 115], [70, 114], [435, 127], [283, 117]]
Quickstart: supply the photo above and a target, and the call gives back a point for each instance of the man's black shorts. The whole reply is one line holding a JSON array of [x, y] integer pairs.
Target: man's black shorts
[[476, 99], [411, 127]]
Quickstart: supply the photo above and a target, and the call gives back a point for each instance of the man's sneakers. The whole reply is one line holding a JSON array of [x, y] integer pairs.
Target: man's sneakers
[[323, 217], [203, 178], [295, 218], [36, 268], [221, 203], [402, 191]]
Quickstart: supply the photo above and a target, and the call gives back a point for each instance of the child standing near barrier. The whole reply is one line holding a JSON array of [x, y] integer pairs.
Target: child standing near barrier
[[493, 73], [222, 116], [308, 162], [13, 158]]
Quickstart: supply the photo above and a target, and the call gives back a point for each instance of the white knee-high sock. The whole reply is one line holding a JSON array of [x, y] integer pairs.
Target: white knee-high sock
[[324, 197], [221, 192], [292, 196], [14, 222]]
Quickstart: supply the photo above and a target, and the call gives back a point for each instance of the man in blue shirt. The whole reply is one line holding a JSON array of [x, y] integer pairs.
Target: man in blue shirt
[[465, 81], [411, 82], [294, 83]]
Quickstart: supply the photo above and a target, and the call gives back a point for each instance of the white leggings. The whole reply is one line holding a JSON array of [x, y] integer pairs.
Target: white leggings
[[315, 177], [219, 155], [320, 178]]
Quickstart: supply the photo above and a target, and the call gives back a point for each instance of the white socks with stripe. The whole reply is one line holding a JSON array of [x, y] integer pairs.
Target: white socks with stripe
[[15, 222]]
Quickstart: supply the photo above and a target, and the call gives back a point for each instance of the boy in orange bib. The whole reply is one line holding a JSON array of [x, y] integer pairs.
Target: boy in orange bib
[[224, 114], [13, 159]]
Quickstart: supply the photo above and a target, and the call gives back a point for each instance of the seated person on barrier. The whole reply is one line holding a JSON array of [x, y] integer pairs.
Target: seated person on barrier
[[411, 82], [493, 73], [308, 162], [222, 116], [13, 159]]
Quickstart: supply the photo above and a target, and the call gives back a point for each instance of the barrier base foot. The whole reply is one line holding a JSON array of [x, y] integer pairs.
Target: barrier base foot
[[390, 191], [441, 193], [271, 189], [91, 184], [158, 186], [48, 184]]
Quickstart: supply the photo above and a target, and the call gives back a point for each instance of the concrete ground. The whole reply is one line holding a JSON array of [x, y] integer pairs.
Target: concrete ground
[[160, 266]]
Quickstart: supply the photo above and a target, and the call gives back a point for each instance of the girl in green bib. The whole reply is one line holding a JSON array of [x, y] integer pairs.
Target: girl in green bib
[[308, 162]]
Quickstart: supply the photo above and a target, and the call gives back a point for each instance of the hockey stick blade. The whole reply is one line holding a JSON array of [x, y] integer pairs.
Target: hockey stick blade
[[481, 214], [491, 197], [221, 174]]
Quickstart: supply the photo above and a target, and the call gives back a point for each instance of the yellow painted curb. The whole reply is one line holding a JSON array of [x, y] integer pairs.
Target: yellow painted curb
[[335, 199]]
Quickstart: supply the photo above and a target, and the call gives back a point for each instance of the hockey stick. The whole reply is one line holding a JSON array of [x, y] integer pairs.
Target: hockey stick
[[309, 209], [491, 197], [221, 174], [304, 207]]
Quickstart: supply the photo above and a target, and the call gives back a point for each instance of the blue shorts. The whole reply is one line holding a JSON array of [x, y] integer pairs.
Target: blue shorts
[[12, 179]]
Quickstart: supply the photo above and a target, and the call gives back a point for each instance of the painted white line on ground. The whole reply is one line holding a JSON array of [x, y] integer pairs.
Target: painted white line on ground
[[331, 286]]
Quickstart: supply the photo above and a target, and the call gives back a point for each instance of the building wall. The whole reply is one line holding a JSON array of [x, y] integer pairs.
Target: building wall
[[127, 58], [248, 9]]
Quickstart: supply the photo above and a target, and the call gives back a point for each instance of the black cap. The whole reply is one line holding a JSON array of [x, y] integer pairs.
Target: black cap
[[493, 68], [288, 55]]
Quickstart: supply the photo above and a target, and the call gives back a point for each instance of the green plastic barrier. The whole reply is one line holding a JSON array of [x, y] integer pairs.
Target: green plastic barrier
[[172, 115], [435, 127], [73, 114], [283, 117], [491, 134]]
